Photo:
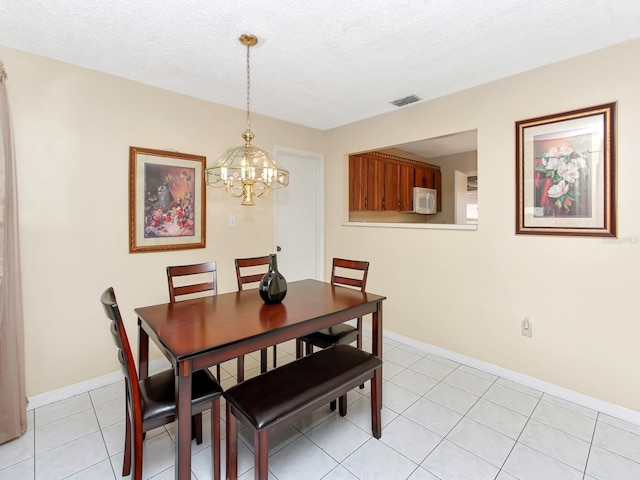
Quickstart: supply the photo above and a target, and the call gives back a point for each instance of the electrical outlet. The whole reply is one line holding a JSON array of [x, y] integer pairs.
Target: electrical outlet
[[527, 327]]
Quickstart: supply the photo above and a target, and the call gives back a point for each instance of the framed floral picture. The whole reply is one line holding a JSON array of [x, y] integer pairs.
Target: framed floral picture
[[565, 173], [166, 200]]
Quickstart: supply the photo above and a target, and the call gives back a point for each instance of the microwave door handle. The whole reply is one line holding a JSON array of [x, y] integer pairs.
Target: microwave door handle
[[430, 203]]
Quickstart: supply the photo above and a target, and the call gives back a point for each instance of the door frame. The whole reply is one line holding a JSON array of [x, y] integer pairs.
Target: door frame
[[318, 158]]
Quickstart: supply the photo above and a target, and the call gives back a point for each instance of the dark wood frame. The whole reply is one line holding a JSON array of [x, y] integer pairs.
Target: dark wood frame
[[590, 211], [140, 192]]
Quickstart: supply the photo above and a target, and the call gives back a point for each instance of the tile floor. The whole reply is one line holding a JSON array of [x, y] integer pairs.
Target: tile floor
[[442, 420]]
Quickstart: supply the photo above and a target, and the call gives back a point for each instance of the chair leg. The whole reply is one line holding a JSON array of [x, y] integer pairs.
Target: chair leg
[[332, 405], [343, 405], [215, 438], [263, 360], [275, 356], [137, 454], [240, 373], [218, 372], [298, 348], [196, 428], [126, 464], [232, 445], [309, 348], [261, 455], [359, 340]]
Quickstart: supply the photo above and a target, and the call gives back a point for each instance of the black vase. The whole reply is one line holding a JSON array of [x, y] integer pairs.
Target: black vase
[[273, 286]]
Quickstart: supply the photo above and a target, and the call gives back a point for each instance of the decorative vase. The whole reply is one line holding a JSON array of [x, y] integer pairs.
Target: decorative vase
[[273, 286]]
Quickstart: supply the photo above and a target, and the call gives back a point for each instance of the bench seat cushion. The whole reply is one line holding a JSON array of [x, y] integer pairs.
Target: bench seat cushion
[[285, 391]]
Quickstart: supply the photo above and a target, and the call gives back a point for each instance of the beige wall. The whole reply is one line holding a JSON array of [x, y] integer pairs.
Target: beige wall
[[467, 291], [73, 128]]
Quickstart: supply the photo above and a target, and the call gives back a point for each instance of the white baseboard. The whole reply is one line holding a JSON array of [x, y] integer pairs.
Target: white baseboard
[[612, 409], [83, 387], [545, 387]]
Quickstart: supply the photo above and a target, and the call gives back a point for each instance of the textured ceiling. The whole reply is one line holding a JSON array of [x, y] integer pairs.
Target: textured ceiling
[[320, 63]]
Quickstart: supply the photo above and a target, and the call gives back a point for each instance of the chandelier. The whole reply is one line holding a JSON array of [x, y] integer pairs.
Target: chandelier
[[247, 171]]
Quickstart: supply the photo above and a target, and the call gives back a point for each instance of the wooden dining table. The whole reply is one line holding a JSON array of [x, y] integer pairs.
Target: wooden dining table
[[199, 333]]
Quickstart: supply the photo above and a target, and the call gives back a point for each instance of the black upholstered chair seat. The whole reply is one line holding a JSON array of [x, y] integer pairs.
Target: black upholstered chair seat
[[341, 334], [158, 397]]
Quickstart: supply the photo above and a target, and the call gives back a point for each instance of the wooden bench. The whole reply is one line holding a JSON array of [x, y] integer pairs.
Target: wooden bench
[[288, 393]]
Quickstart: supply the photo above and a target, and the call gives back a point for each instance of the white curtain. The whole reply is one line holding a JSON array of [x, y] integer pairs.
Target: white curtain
[[13, 399]]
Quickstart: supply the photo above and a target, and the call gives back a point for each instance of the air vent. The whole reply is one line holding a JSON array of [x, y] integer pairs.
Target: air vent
[[401, 102]]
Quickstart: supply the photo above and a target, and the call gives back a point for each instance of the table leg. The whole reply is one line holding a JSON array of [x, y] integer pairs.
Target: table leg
[[376, 347], [183, 421], [143, 352]]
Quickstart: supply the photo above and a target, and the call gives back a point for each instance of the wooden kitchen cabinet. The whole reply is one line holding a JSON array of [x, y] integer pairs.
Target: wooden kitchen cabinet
[[385, 182], [375, 184], [366, 183], [357, 182], [437, 184], [424, 177], [407, 174], [391, 186]]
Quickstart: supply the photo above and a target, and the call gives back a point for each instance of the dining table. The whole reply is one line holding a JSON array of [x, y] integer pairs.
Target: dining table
[[202, 332]]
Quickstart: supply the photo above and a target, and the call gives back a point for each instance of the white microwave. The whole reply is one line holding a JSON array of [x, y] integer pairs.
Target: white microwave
[[425, 200]]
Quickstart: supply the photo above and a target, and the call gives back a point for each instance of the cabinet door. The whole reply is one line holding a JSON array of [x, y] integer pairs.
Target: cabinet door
[[391, 186], [437, 184], [424, 177], [429, 177], [375, 184], [418, 176], [407, 179], [357, 183]]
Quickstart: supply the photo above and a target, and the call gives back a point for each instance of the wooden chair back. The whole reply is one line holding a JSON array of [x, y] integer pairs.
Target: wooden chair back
[[125, 356], [343, 272], [153, 404], [250, 275], [201, 271], [246, 273]]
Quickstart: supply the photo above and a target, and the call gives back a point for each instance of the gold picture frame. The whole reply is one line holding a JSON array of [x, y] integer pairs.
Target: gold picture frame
[[167, 206], [566, 173]]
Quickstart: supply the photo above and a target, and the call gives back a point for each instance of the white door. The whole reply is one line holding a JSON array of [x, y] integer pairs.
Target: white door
[[299, 215]]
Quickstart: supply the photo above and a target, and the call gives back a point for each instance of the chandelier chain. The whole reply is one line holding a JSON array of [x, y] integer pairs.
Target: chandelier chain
[[248, 85]]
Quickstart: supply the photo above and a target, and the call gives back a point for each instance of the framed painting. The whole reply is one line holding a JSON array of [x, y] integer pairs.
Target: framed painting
[[166, 200], [565, 173]]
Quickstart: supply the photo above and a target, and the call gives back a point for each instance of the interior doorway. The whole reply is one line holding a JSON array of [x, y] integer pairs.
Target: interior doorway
[[299, 215]]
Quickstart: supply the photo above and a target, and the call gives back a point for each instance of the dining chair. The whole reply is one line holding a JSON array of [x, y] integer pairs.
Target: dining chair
[[246, 273], [349, 273], [204, 278], [150, 402]]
